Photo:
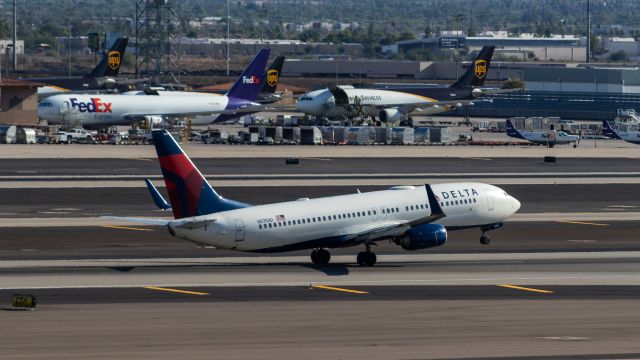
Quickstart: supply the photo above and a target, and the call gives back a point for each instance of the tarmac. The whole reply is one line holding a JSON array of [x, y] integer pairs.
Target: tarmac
[[561, 279]]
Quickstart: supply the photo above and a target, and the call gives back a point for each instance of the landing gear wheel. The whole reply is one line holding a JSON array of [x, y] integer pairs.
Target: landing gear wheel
[[484, 240], [366, 258], [320, 256]]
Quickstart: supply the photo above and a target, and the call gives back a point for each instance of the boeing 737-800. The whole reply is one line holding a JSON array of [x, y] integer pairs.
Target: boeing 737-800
[[413, 217]]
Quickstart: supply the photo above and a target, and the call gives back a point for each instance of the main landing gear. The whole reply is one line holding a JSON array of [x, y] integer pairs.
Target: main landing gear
[[320, 256], [367, 257], [484, 239]]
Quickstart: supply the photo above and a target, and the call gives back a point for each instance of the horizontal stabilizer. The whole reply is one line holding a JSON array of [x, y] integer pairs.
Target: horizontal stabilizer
[[157, 198], [158, 222]]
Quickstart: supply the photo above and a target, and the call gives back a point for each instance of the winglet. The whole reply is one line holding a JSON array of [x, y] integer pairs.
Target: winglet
[[434, 204], [157, 198]]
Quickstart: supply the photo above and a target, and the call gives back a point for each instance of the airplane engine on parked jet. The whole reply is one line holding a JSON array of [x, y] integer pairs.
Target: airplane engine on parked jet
[[423, 237], [390, 115]]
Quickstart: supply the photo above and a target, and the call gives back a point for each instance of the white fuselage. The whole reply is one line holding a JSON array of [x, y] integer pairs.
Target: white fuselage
[[631, 136], [549, 137], [290, 225], [322, 103], [109, 110]]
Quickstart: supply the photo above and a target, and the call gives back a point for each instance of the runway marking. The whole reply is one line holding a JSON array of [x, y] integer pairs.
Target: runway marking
[[338, 289], [479, 158], [581, 223], [125, 228], [175, 290], [526, 289], [582, 241]]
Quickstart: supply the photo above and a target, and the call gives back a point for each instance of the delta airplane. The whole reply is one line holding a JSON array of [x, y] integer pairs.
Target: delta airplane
[[413, 217], [628, 136], [549, 138], [398, 103], [109, 110], [102, 77]]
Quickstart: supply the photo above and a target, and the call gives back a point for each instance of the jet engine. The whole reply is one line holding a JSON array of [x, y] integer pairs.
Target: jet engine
[[423, 237], [390, 115]]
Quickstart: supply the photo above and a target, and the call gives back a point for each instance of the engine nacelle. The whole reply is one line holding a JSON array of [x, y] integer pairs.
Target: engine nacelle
[[423, 237], [390, 115]]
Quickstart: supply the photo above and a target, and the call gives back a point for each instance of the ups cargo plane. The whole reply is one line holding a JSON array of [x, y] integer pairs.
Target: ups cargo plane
[[413, 217], [391, 105], [102, 77]]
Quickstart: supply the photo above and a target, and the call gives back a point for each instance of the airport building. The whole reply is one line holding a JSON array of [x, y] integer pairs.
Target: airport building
[[18, 102]]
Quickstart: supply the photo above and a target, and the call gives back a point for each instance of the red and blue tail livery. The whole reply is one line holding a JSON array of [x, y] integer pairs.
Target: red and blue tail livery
[[189, 192]]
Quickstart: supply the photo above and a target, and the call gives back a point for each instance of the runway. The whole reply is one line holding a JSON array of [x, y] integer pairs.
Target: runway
[[561, 280]]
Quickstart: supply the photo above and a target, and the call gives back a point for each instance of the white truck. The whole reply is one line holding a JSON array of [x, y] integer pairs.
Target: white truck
[[74, 136]]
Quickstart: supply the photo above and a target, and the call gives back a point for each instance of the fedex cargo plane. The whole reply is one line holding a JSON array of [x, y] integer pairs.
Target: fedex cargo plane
[[109, 110], [413, 217]]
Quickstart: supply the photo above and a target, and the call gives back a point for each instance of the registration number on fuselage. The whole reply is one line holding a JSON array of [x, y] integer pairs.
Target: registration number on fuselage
[[265, 221]]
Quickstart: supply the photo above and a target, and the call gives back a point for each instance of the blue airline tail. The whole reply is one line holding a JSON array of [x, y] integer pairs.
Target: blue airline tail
[[608, 131], [250, 81], [512, 131], [189, 192]]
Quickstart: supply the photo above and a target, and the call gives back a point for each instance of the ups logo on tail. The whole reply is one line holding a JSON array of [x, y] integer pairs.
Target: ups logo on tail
[[114, 59], [480, 68], [272, 77]]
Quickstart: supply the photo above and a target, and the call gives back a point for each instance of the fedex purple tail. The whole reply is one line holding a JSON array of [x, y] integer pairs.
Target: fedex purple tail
[[250, 82], [189, 192]]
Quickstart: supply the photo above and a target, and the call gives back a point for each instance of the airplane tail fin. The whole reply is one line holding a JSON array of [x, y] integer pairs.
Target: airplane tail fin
[[608, 131], [189, 192], [250, 81], [110, 63], [273, 76], [512, 131], [477, 72]]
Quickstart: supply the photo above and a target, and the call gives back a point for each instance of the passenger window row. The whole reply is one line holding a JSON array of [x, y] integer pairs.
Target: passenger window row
[[335, 217], [458, 202]]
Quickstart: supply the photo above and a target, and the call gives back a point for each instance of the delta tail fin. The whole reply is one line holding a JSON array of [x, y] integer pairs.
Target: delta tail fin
[[272, 76], [608, 131], [512, 131], [477, 72], [189, 192], [250, 81], [110, 63]]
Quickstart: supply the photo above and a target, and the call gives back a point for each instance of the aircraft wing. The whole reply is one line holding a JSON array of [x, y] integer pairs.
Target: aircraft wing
[[417, 107], [398, 227], [248, 109]]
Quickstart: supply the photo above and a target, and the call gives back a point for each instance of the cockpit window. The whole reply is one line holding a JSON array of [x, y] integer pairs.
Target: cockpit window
[[45, 104]]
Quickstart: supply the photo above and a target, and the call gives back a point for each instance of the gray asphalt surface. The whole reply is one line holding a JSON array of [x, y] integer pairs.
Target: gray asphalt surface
[[74, 202], [405, 166], [101, 242]]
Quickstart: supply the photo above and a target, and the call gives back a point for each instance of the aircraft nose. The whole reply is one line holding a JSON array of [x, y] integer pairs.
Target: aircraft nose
[[515, 204]]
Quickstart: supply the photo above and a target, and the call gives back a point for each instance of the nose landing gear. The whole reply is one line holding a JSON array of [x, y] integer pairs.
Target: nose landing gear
[[367, 257], [484, 239], [320, 256]]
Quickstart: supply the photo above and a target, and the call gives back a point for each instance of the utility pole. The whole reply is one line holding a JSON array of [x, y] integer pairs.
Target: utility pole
[[69, 53], [588, 31], [228, 36], [15, 35]]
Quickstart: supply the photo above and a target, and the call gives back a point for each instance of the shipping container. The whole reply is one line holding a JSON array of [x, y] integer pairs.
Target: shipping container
[[402, 136], [421, 135], [25, 135], [440, 135], [273, 135], [291, 135], [310, 136], [358, 135], [383, 135]]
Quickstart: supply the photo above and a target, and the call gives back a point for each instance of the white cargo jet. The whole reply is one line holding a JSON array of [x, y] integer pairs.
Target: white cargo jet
[[109, 110], [549, 138], [413, 217]]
